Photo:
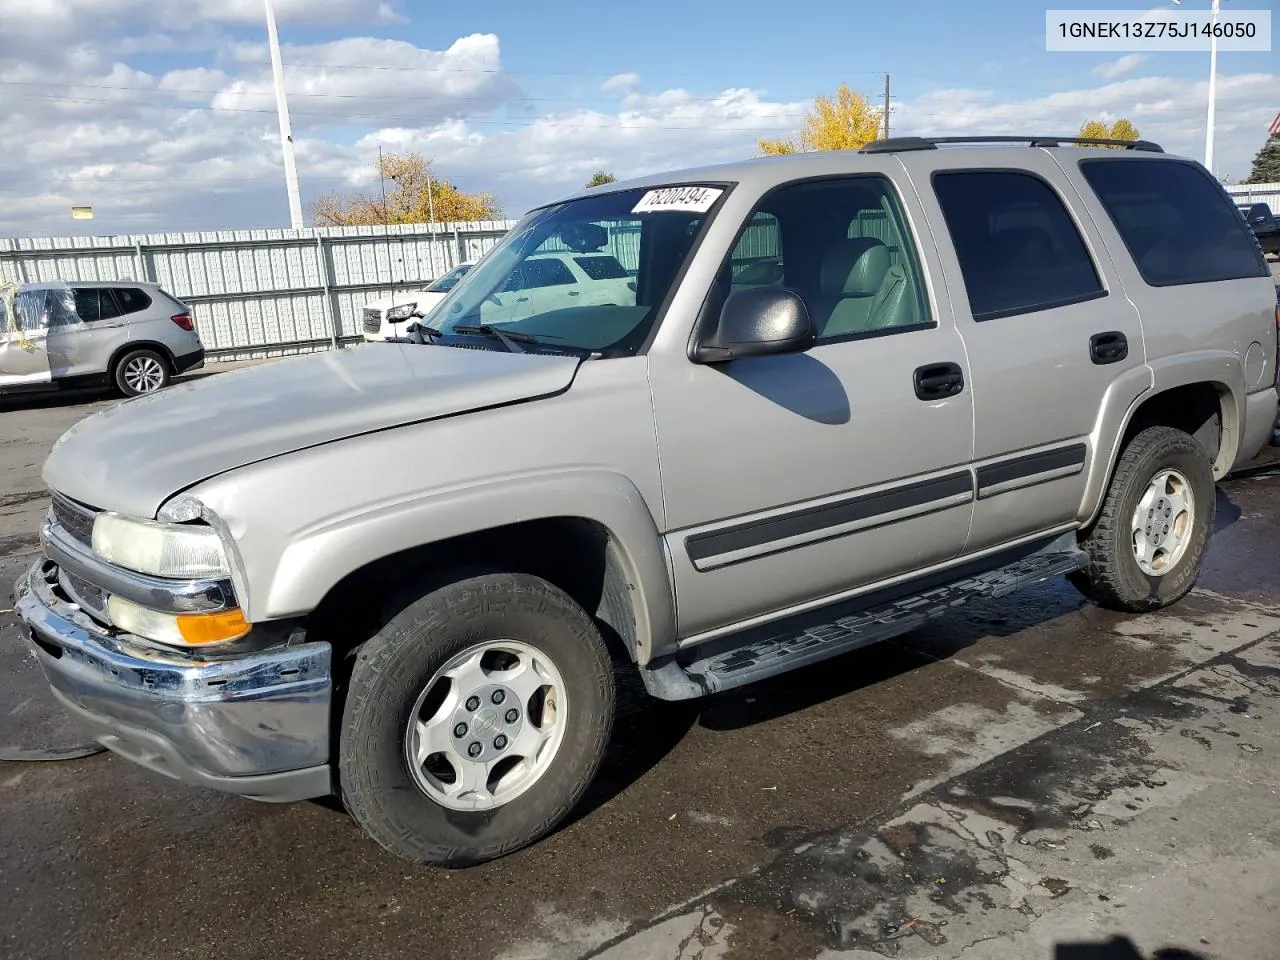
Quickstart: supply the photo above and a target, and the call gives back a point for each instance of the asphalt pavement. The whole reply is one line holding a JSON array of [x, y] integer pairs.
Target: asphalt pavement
[[1029, 775]]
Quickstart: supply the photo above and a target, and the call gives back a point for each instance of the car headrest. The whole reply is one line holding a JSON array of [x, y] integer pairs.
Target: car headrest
[[855, 267]]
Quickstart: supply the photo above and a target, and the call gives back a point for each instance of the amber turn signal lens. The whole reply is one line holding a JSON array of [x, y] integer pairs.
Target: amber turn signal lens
[[199, 629]]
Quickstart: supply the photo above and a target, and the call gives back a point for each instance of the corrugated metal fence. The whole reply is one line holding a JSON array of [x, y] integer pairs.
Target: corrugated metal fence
[[262, 292], [1268, 193]]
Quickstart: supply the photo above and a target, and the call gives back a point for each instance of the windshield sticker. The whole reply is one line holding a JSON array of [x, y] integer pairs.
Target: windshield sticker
[[689, 199]]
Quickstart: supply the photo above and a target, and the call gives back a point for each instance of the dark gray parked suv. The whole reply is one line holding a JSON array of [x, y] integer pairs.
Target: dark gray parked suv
[[134, 336]]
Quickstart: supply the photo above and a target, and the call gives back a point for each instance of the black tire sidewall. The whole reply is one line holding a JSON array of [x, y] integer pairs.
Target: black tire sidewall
[[392, 669], [123, 387], [1187, 458]]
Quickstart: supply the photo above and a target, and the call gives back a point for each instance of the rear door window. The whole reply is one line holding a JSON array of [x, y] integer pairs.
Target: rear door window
[[94, 303], [1019, 250], [131, 299], [1176, 221], [603, 267], [548, 272], [87, 305]]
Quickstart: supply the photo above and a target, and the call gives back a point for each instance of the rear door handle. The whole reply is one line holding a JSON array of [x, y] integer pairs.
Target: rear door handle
[[936, 381], [1109, 347]]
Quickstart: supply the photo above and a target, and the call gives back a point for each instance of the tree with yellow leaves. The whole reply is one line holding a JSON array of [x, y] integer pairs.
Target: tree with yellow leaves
[[846, 122], [1122, 129], [408, 193]]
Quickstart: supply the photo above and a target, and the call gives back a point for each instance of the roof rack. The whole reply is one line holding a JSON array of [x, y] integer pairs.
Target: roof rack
[[904, 144]]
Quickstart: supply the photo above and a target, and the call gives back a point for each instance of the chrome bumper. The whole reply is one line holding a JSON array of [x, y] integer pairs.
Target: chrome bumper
[[256, 725]]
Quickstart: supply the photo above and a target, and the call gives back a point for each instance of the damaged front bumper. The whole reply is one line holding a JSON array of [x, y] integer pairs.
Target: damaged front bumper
[[256, 724]]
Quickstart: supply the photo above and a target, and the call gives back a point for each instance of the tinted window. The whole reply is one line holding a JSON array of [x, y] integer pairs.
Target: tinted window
[[601, 268], [131, 299], [546, 273], [95, 304], [843, 245], [87, 305], [1018, 248], [1177, 223]]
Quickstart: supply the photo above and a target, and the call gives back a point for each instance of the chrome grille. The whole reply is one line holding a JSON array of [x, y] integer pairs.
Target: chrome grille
[[91, 599], [372, 320], [75, 518]]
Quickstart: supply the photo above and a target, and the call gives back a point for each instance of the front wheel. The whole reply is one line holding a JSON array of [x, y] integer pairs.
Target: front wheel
[[1148, 542], [475, 720]]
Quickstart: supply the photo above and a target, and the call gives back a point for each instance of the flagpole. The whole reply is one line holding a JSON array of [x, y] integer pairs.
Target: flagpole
[[1213, 88], [286, 134]]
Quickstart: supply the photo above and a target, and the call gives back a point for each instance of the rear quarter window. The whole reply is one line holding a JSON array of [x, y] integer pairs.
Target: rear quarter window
[[1178, 224], [131, 299]]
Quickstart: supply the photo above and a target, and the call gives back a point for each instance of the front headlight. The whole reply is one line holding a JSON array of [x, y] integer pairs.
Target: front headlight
[[161, 549], [404, 312], [177, 630]]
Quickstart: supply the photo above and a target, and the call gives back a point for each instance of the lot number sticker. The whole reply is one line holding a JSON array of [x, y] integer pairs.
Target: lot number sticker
[[690, 199]]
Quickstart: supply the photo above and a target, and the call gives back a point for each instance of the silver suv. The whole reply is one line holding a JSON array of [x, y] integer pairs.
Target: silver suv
[[134, 336], [845, 393]]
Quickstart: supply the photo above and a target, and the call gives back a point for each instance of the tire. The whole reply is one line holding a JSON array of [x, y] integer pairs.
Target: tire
[[1114, 577], [141, 371], [396, 668]]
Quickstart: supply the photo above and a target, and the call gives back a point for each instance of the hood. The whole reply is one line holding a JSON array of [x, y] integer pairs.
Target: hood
[[405, 296], [133, 456]]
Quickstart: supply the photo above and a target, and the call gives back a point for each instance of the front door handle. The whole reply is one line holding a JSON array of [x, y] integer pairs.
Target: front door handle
[[937, 381], [1109, 347]]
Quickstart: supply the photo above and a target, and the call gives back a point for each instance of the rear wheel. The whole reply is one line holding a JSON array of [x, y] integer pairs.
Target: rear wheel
[[475, 720], [1148, 542], [141, 371]]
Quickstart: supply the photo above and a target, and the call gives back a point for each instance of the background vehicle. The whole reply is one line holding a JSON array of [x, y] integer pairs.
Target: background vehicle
[[389, 316], [135, 336], [552, 281], [1264, 226], [844, 393]]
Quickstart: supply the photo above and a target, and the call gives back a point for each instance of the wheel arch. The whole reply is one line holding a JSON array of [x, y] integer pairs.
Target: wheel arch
[[591, 535], [122, 351], [1200, 395]]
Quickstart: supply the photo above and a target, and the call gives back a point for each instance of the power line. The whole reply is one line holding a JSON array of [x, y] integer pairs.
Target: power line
[[696, 123]]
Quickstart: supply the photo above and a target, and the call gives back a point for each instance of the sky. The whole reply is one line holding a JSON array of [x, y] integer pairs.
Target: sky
[[162, 116]]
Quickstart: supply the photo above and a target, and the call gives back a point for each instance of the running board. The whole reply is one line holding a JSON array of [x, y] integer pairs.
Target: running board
[[778, 647]]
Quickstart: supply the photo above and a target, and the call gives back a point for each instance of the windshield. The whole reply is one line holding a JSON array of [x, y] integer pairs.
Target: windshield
[[449, 280], [586, 275]]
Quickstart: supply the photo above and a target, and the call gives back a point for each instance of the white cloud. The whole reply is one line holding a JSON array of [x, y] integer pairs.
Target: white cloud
[[1167, 110], [1115, 68], [53, 18], [372, 81], [198, 147], [621, 81]]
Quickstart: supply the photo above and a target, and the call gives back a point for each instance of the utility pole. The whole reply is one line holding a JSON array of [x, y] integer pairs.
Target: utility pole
[[286, 134], [382, 179], [431, 201], [886, 106]]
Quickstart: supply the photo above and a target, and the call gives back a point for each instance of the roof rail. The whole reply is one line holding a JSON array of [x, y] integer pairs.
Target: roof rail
[[904, 144]]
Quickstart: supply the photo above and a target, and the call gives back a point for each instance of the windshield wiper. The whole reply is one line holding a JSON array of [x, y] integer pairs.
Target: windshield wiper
[[510, 339]]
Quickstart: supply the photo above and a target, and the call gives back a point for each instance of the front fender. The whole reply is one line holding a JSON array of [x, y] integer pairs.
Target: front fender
[[316, 559]]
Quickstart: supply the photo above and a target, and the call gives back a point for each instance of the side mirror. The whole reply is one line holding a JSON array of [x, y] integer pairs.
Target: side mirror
[[758, 322]]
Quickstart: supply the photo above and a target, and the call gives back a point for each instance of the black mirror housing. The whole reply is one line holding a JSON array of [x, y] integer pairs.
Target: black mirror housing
[[758, 322]]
